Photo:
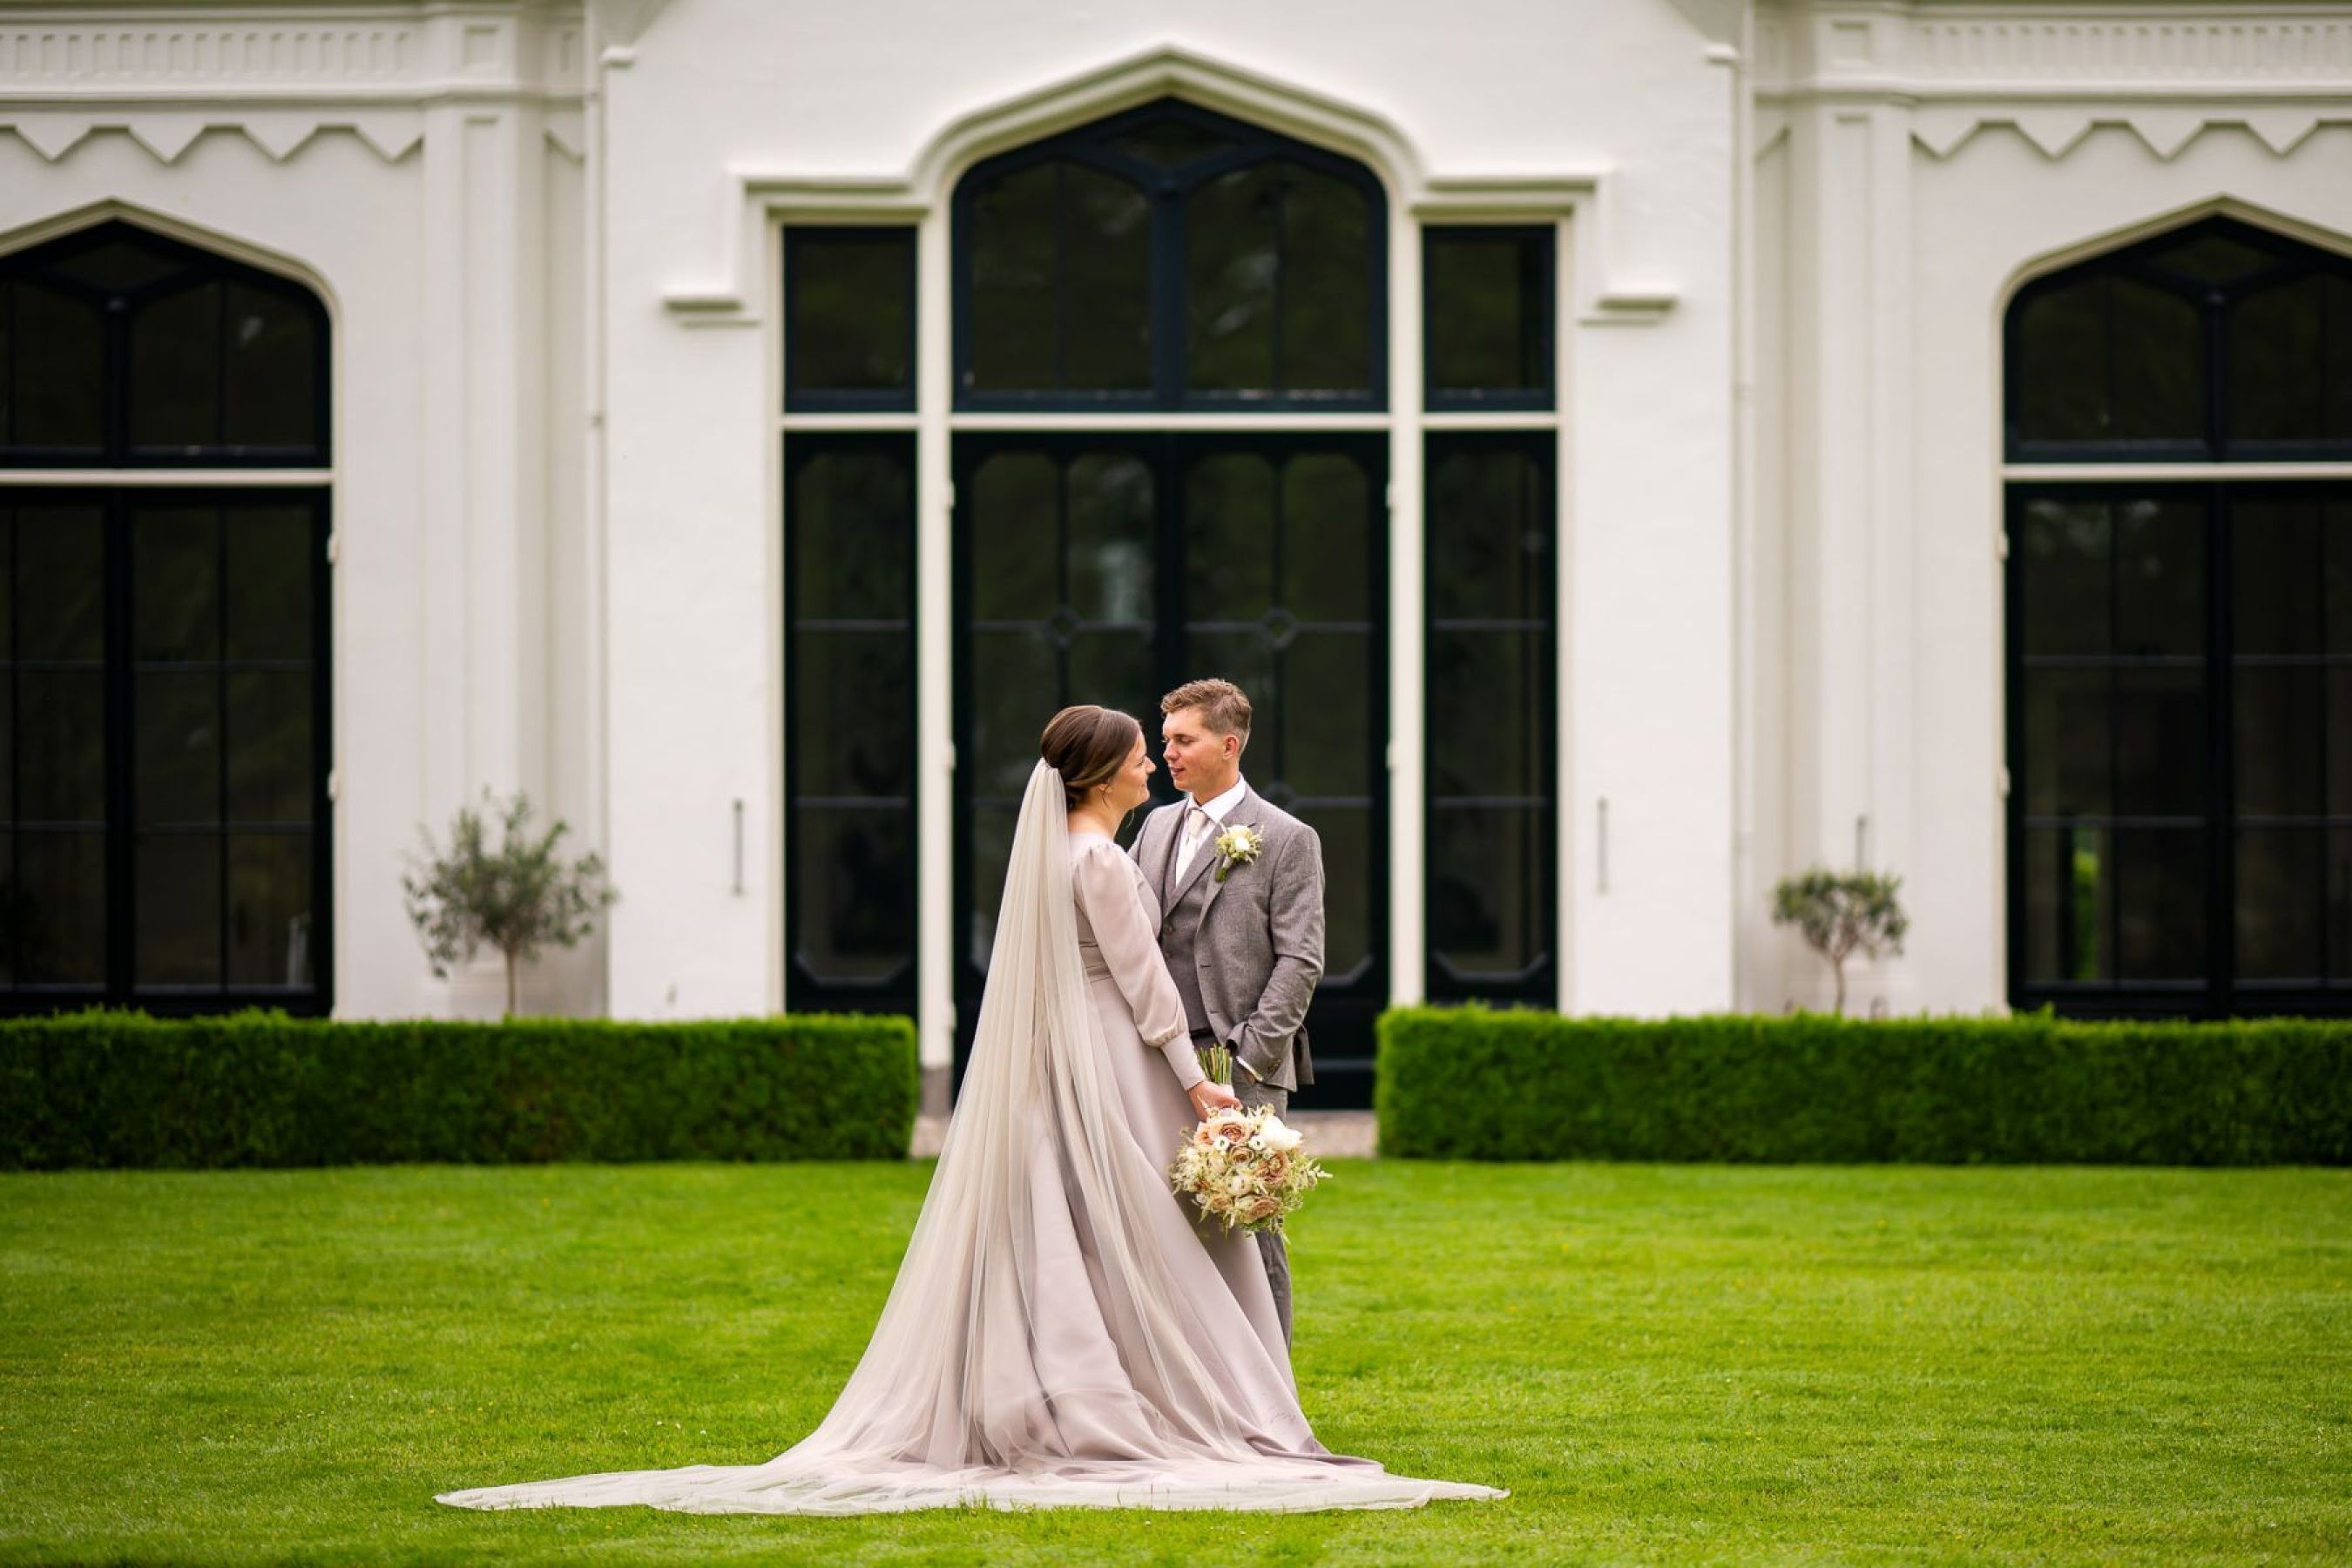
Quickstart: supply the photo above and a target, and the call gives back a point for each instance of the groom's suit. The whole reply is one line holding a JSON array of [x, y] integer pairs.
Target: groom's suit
[[1245, 953]]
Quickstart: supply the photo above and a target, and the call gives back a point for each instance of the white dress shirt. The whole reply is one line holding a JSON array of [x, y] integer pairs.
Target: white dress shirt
[[1196, 831]]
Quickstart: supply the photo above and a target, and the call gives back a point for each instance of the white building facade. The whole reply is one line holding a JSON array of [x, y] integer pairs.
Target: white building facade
[[1632, 449]]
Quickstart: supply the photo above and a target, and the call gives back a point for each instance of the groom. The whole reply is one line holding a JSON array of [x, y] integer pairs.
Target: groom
[[1241, 895]]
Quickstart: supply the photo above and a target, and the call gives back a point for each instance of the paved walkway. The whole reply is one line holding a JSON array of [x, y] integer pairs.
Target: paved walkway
[[1333, 1134]]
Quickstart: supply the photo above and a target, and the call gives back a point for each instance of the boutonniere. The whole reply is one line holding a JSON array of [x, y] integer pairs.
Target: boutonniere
[[1236, 847]]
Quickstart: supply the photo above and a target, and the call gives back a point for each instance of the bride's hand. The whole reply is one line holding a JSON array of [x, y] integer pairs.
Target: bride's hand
[[1210, 1096]]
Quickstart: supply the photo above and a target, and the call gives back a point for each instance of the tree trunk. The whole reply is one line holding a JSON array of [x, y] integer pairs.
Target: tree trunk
[[511, 982], [1837, 968]]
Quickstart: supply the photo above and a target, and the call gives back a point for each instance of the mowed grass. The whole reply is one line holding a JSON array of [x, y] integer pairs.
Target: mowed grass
[[1665, 1365]]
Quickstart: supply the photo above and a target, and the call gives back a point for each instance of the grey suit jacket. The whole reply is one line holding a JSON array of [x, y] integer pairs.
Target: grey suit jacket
[[1257, 945]]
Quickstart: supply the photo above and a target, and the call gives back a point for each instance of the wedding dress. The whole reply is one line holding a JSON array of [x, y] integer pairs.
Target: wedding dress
[[1060, 1333]]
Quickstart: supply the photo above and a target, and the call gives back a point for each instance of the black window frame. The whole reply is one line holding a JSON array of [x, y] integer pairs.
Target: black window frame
[[803, 399], [120, 724], [2214, 304], [1343, 1076], [1544, 308], [1536, 985], [899, 990], [1089, 144], [116, 307]]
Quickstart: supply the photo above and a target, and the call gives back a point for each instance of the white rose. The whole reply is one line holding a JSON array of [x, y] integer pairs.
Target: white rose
[[1278, 1139]]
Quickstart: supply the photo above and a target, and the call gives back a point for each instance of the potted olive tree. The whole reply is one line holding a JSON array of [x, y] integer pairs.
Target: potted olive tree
[[516, 895], [1840, 913]]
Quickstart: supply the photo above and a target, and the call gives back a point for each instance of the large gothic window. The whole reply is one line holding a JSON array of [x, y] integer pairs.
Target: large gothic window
[[2180, 648], [1173, 259], [163, 699]]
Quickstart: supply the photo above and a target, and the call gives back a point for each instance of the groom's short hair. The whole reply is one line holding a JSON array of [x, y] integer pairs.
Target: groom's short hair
[[1224, 707]]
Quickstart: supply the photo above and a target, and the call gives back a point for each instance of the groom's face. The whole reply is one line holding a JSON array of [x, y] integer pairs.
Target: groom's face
[[1200, 762]]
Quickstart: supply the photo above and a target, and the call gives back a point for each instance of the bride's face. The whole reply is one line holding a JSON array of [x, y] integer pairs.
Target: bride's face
[[1132, 787]]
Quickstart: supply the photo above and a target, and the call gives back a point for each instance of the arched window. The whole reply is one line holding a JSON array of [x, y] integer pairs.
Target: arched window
[[2179, 642], [163, 630], [1170, 258]]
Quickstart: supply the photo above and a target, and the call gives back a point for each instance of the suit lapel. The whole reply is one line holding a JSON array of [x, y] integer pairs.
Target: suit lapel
[[1168, 859], [1201, 857], [1241, 816]]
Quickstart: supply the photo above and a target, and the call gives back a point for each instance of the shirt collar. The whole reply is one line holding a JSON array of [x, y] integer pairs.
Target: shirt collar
[[1221, 806]]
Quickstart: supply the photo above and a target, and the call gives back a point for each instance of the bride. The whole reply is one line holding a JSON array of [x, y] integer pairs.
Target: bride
[[1060, 1333]]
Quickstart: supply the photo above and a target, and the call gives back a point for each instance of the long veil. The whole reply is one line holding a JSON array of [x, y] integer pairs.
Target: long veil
[[1040, 1346]]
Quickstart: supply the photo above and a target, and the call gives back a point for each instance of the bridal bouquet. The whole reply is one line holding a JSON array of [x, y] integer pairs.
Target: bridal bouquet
[[1244, 1169]]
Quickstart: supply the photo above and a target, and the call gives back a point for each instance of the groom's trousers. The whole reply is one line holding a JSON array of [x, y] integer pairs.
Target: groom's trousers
[[1270, 1245]]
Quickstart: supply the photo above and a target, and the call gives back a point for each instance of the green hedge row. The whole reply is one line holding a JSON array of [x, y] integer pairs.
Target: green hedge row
[[111, 1088], [1468, 1083]]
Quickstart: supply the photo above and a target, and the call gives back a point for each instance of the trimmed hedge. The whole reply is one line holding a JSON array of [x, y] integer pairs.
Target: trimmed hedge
[[1468, 1083], [113, 1089]]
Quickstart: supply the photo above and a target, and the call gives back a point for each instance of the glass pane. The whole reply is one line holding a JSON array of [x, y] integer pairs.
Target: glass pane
[[1106, 291], [2278, 576], [2158, 366], [853, 311], [1326, 282], [1231, 231], [60, 907], [2280, 895], [2336, 416], [269, 910], [853, 917], [1489, 898], [2159, 903], [2339, 739], [1016, 555], [1353, 885], [850, 521], [178, 936], [2069, 892], [1486, 736], [1012, 306], [1110, 537], [1328, 543], [176, 772], [270, 555], [2065, 583], [270, 743], [2339, 903], [61, 746], [272, 371], [992, 849], [9, 905], [1114, 669], [2161, 742], [1015, 686], [7, 764], [1323, 707], [117, 264], [176, 372], [853, 713], [1243, 659], [1229, 537], [2277, 357], [1488, 292], [60, 370], [1489, 535], [7, 569], [2213, 256], [2062, 362], [2159, 578], [1168, 143], [2067, 715], [2281, 739], [61, 582], [175, 582]]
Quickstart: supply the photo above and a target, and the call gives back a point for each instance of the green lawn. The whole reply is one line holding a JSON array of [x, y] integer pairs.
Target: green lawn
[[1684, 1365]]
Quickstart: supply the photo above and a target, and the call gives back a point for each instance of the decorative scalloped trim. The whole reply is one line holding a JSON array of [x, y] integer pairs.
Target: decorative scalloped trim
[[2054, 132]]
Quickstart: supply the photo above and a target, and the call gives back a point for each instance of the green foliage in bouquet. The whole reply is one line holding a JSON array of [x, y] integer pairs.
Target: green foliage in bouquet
[[1468, 1083], [1840, 912], [114, 1089], [516, 895]]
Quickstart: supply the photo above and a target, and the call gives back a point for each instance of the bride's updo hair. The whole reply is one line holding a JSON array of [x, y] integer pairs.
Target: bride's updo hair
[[1087, 745]]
